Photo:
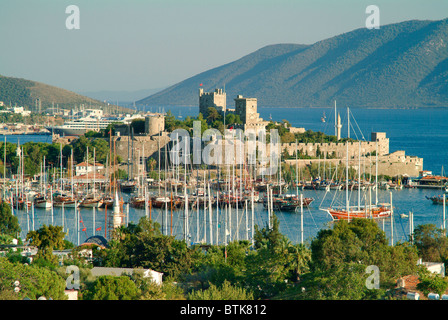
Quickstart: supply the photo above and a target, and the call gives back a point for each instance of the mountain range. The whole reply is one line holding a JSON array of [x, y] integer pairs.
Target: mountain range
[[399, 65]]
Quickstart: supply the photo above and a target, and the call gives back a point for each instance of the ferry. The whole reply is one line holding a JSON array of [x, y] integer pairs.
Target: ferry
[[92, 121]]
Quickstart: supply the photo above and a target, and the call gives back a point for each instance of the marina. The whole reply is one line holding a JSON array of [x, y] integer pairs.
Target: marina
[[408, 197], [172, 220]]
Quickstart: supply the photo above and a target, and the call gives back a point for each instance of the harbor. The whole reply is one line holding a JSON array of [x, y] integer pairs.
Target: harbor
[[93, 221], [229, 213]]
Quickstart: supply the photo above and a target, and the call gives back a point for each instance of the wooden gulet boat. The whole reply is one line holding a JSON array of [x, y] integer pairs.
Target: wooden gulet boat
[[375, 212]]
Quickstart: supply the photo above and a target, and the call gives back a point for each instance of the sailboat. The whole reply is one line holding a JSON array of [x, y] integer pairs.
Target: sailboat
[[91, 200], [323, 118], [439, 199], [287, 202], [41, 201], [61, 199], [347, 212]]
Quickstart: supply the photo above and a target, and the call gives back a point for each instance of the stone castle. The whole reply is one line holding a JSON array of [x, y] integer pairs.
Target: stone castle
[[391, 164], [245, 108], [136, 149]]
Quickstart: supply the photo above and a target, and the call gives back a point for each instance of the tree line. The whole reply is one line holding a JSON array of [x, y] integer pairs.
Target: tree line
[[331, 266], [34, 153]]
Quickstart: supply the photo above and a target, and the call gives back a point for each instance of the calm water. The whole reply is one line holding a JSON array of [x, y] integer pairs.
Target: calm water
[[420, 132]]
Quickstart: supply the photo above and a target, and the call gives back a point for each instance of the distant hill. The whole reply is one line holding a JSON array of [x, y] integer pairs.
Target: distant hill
[[399, 65], [25, 92], [121, 96]]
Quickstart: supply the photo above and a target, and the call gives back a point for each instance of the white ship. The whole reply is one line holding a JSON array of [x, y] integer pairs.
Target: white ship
[[92, 121]]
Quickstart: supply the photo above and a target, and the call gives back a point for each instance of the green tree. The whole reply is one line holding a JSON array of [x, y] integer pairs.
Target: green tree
[[345, 281], [34, 282], [213, 115], [149, 290], [47, 238], [431, 282], [225, 292], [9, 224], [112, 288], [361, 241], [274, 261], [143, 245], [101, 147], [221, 263], [431, 242]]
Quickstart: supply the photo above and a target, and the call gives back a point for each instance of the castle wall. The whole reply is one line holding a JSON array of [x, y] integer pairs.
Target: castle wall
[[390, 165], [140, 148]]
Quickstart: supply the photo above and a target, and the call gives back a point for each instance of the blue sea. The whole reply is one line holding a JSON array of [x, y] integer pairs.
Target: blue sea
[[419, 132]]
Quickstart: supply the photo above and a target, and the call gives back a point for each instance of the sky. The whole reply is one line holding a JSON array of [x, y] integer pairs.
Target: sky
[[148, 44]]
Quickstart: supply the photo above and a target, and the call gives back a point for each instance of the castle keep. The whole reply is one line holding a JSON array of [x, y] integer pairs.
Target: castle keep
[[245, 108], [216, 99]]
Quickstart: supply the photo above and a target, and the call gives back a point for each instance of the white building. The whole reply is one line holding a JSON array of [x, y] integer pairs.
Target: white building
[[147, 273], [84, 168], [20, 110]]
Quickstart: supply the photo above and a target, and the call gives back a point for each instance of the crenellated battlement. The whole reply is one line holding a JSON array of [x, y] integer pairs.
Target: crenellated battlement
[[339, 149]]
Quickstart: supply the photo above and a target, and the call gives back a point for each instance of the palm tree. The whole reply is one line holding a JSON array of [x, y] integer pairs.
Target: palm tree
[[300, 257], [152, 164]]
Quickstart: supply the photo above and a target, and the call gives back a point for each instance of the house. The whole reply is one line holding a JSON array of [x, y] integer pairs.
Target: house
[[434, 267], [84, 168], [407, 285], [71, 294], [147, 273]]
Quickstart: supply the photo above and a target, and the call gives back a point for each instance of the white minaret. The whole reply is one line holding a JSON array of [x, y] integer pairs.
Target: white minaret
[[337, 123], [117, 216]]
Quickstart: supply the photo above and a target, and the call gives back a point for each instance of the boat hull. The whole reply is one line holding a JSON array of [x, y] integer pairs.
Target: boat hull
[[91, 203], [67, 131], [375, 213]]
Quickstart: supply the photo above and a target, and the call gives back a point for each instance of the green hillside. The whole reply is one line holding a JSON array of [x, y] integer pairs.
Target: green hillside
[[399, 65], [25, 93]]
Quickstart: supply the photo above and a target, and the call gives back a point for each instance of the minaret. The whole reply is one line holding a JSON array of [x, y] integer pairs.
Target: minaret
[[337, 123], [117, 216], [338, 128]]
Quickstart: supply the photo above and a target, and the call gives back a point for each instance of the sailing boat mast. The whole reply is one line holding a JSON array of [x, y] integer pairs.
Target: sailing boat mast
[[346, 169]]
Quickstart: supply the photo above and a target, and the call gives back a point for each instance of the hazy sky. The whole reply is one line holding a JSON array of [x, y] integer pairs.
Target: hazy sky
[[137, 44]]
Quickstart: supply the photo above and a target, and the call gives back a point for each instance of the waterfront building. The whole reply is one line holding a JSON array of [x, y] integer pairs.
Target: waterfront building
[[85, 168]]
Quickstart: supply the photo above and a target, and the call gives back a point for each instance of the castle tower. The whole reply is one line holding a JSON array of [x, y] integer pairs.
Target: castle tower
[[216, 99], [246, 108], [383, 142], [154, 124]]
